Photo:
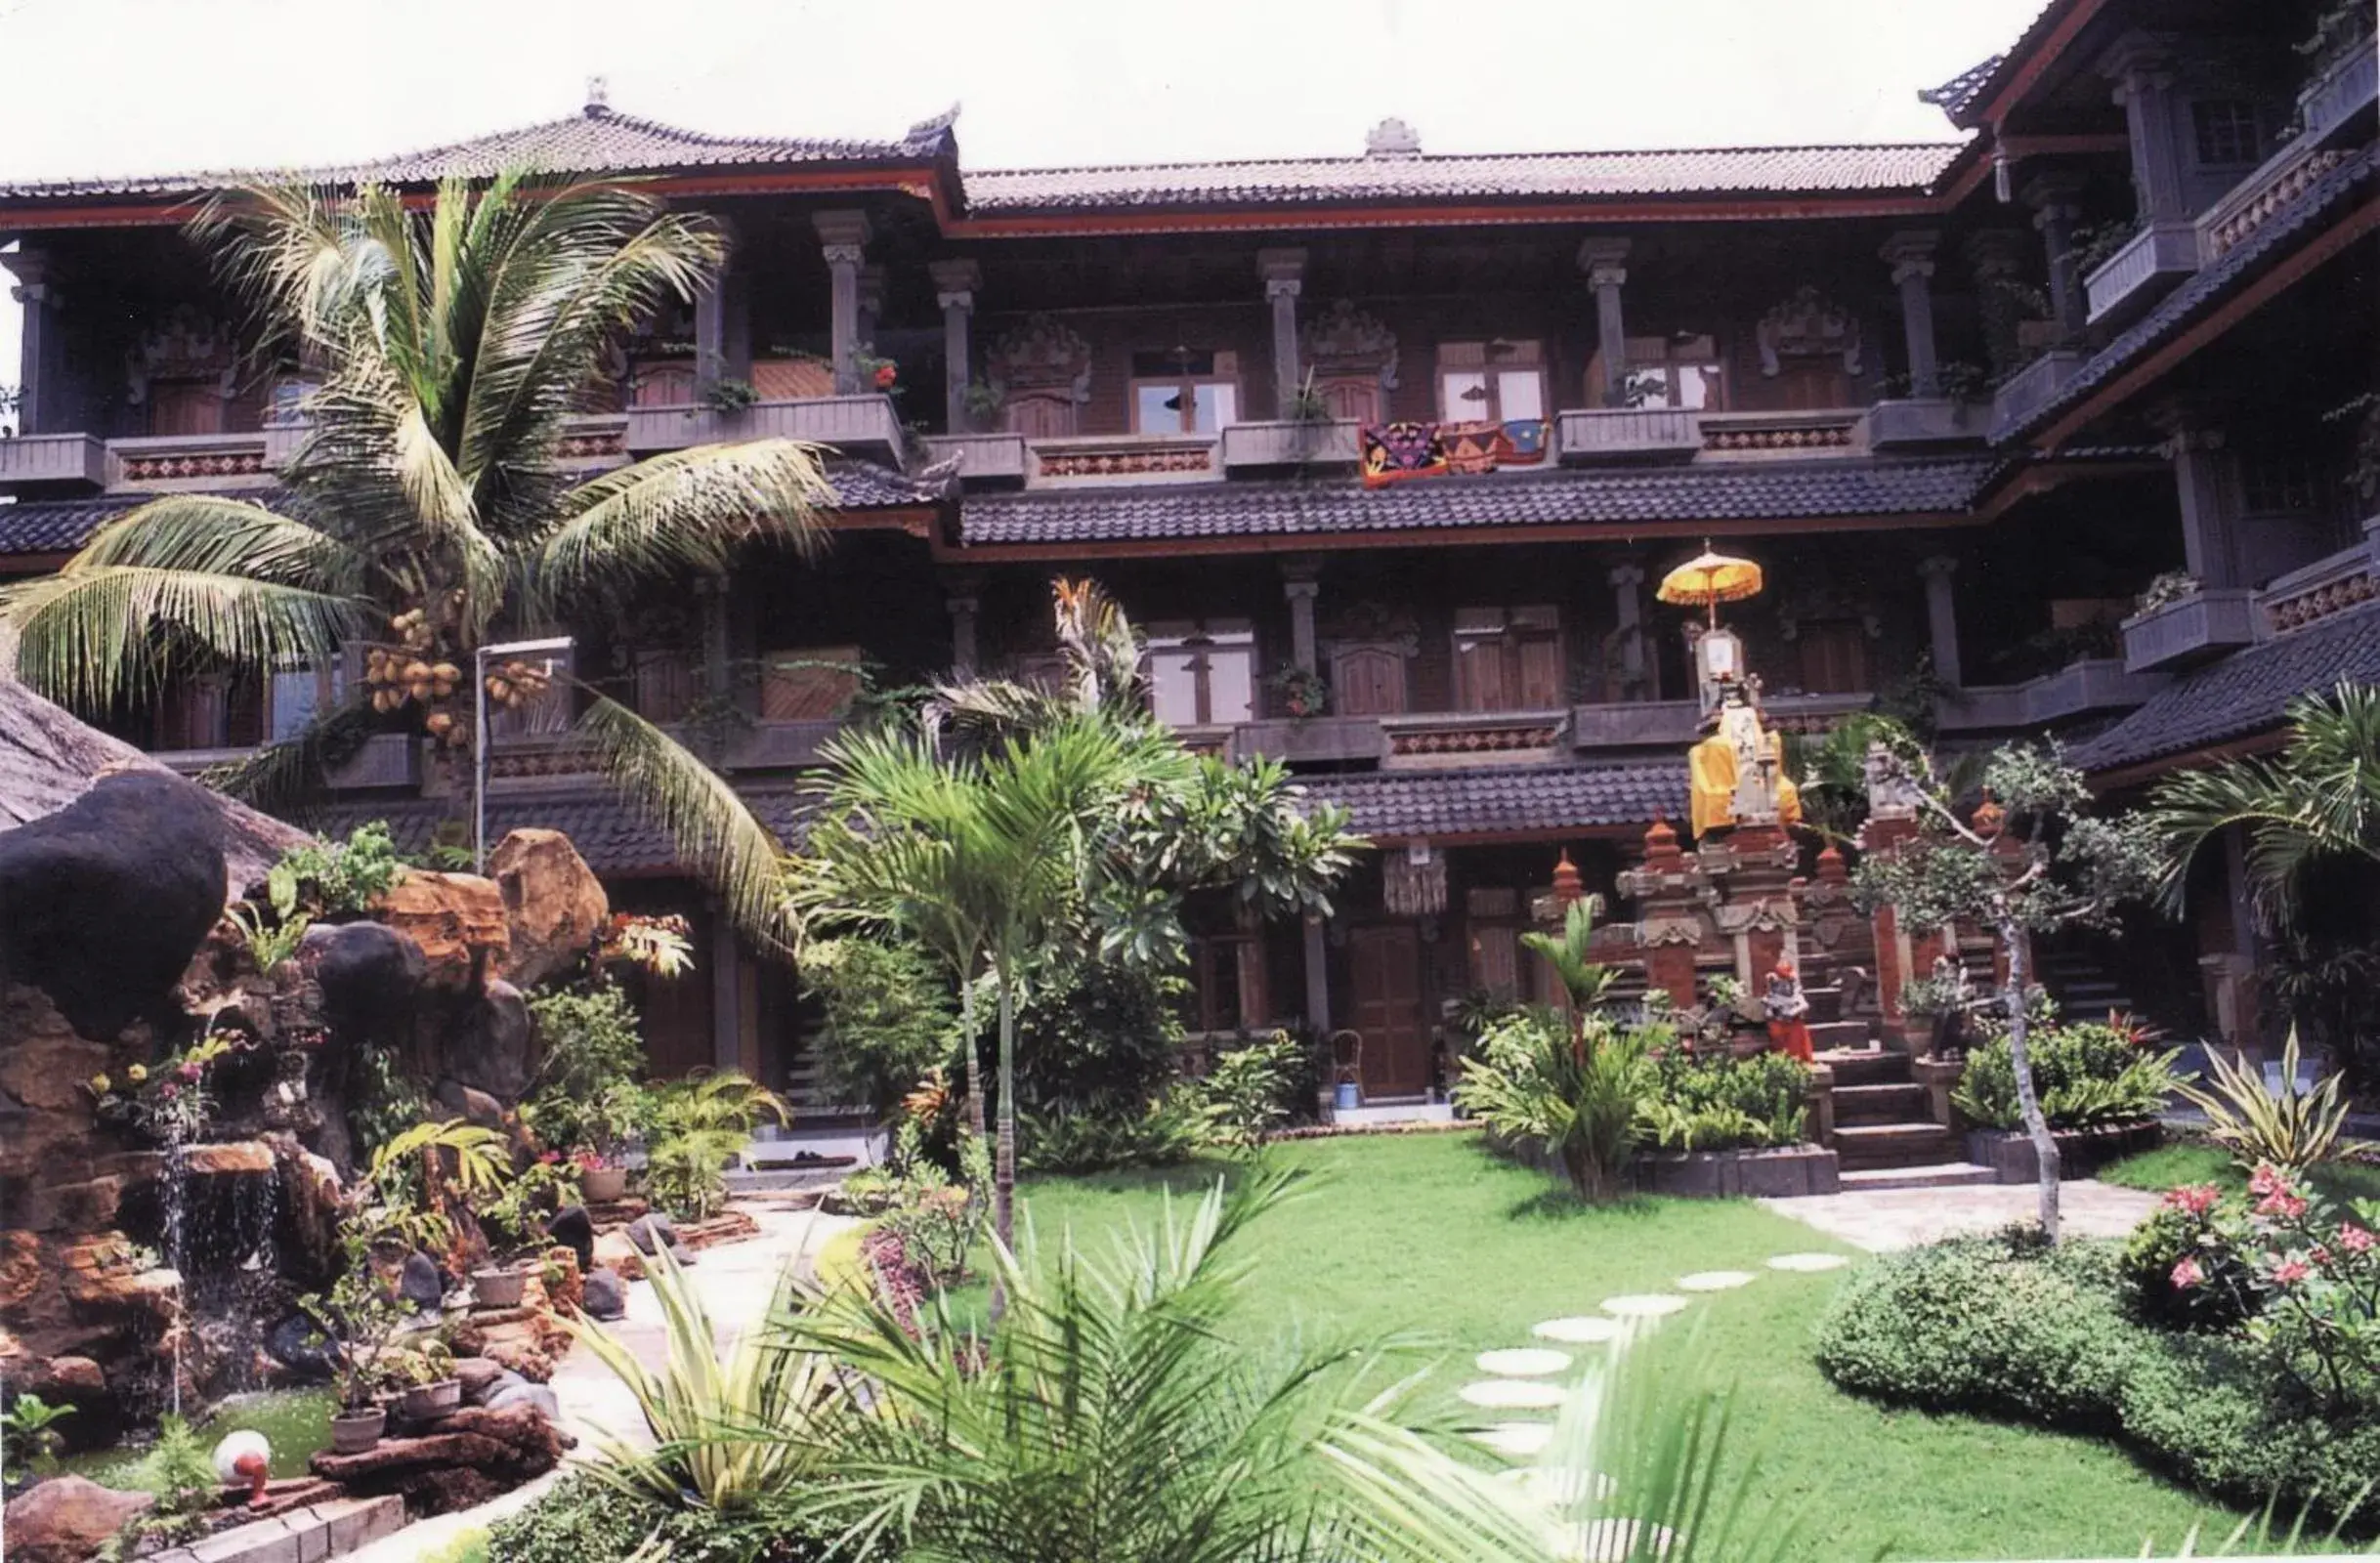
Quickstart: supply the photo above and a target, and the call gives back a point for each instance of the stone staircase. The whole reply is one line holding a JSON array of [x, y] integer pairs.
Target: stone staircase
[[1884, 1134]]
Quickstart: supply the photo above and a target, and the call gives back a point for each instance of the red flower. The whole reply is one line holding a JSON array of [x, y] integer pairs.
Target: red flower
[[2289, 1272], [886, 374], [2354, 1239], [190, 1073], [2267, 1181], [2196, 1199], [169, 1090], [2187, 1274], [2281, 1203]]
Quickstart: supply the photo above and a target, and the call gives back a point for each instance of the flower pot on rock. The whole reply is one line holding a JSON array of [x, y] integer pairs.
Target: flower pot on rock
[[429, 1403], [498, 1288], [603, 1185], [357, 1428]]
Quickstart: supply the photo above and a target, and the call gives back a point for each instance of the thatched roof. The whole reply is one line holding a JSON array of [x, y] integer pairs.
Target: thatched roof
[[48, 758]]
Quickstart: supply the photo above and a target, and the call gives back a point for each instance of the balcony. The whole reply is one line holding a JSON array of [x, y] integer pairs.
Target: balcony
[[387, 760], [1446, 741], [1839, 430], [2142, 272], [985, 460], [2197, 628], [1291, 443], [779, 745], [45, 459], [1621, 434], [855, 425], [2093, 684], [2327, 586], [1103, 460], [1925, 421], [1314, 741], [2347, 87], [2033, 387]]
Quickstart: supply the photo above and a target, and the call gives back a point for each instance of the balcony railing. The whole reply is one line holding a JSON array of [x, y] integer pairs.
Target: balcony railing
[[1454, 739], [2093, 684], [857, 425], [1612, 434], [1925, 421], [2030, 389], [2200, 626], [1771, 434], [387, 760], [1134, 458], [2344, 90], [1291, 443], [1312, 740], [2142, 272], [983, 459], [53, 459], [2329, 585]]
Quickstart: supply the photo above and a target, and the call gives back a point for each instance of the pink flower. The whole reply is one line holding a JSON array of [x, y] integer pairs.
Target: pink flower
[[2289, 1272], [190, 1073], [2354, 1239], [2267, 1180], [2187, 1274], [2283, 1203], [2196, 1199], [169, 1090], [2319, 1255]]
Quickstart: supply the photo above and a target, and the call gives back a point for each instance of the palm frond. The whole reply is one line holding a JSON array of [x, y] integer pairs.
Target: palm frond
[[280, 778], [692, 509], [716, 831]]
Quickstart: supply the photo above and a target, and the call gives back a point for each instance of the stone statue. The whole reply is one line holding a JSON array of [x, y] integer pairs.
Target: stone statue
[[1737, 773], [1788, 1010]]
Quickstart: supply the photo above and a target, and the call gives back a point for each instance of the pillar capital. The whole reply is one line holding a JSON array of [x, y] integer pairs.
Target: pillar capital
[[1282, 265], [1937, 567], [36, 275], [1282, 287], [1301, 591], [1604, 260], [839, 230], [1911, 253], [1625, 577], [956, 282], [2137, 62], [2057, 186]]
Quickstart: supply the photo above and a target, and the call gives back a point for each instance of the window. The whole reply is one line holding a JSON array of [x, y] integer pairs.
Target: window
[[185, 406], [1833, 657], [2276, 485], [1184, 392], [2227, 131], [1226, 991], [1499, 381], [1508, 659], [662, 383], [665, 682], [1203, 674], [1367, 680], [295, 695], [1667, 372], [1352, 398], [286, 400], [809, 684]]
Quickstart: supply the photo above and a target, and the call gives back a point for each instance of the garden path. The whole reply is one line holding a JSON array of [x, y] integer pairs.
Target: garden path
[[1882, 1220], [735, 1282]]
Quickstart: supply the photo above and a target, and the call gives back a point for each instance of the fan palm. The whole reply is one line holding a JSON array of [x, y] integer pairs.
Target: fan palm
[[2313, 805], [429, 501]]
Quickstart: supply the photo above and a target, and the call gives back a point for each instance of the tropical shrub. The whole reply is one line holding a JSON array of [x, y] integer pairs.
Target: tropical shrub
[[2217, 1296], [28, 1432], [2290, 1128], [1246, 1091], [888, 1016], [1574, 1092], [1718, 1102], [1164, 1134], [586, 1093], [336, 878], [699, 1124], [584, 1520], [2088, 1074], [1097, 1036]]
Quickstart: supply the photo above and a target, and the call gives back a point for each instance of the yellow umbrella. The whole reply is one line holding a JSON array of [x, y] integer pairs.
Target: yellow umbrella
[[1709, 580]]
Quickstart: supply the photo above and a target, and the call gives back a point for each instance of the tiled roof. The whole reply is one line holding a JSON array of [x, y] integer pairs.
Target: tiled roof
[[1751, 490], [1962, 94], [1958, 95], [597, 140], [2206, 290], [2243, 694], [609, 832], [61, 526], [1400, 805], [1534, 175]]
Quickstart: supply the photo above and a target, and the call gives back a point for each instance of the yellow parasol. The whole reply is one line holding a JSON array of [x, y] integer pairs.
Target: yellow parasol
[[1709, 580]]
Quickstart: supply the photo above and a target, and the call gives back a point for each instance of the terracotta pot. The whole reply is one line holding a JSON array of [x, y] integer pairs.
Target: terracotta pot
[[428, 1403], [352, 1432], [499, 1289], [602, 1185]]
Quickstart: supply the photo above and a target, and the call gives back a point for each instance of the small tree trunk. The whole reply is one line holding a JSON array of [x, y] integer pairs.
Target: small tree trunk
[[974, 1067], [2020, 1062], [1004, 1152]]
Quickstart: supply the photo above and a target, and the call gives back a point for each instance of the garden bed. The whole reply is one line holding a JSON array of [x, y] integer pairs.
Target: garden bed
[[2010, 1155], [1784, 1172]]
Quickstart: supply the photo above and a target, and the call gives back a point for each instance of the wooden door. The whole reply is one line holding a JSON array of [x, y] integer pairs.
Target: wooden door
[[1042, 416], [1386, 968], [1368, 681], [184, 406], [1352, 400], [1834, 658]]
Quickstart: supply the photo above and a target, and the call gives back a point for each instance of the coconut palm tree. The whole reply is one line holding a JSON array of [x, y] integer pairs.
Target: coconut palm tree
[[429, 504]]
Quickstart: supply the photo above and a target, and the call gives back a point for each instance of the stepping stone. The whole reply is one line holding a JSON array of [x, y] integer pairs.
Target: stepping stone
[[1645, 1305], [1522, 1361], [1512, 1394], [1808, 1262], [1716, 1279], [1582, 1331], [1517, 1440]]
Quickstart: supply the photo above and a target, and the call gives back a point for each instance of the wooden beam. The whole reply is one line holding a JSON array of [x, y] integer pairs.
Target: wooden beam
[[2127, 777]]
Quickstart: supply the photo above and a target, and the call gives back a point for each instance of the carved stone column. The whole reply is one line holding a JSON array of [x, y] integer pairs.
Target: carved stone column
[[43, 410], [712, 305], [1995, 258], [1943, 617], [1301, 588], [871, 302], [718, 637], [1637, 672], [1912, 257], [1605, 263], [843, 235], [2141, 64], [2207, 496], [2055, 202], [963, 605], [1284, 274], [1317, 978], [954, 285]]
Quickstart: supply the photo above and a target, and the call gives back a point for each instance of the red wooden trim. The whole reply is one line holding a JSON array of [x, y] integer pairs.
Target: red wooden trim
[[2363, 220], [1477, 838], [33, 564], [1289, 215], [1451, 536]]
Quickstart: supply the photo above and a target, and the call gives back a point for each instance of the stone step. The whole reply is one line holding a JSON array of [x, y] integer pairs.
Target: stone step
[[1895, 1145], [1881, 1103], [1942, 1175], [1833, 1034], [1866, 1067]]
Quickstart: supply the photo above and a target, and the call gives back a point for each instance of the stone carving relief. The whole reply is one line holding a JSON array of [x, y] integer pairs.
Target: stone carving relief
[[1042, 356], [1815, 604], [1346, 341], [190, 345], [1807, 325]]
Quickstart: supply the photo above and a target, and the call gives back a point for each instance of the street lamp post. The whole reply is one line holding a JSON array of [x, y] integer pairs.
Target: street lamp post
[[549, 649]]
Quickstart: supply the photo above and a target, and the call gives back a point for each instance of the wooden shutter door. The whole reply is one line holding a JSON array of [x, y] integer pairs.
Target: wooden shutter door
[[1355, 401], [1834, 659], [1387, 967], [1368, 681], [1541, 671], [1495, 959], [1041, 417], [1479, 675]]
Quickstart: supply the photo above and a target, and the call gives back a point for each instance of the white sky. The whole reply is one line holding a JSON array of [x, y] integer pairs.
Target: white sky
[[121, 86]]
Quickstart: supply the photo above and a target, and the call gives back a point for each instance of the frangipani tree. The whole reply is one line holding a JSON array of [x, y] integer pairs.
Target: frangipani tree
[[2029, 861], [429, 504]]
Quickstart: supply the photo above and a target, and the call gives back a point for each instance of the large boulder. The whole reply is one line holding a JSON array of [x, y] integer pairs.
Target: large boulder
[[104, 903], [554, 906], [492, 1047], [456, 918], [370, 975], [67, 1519]]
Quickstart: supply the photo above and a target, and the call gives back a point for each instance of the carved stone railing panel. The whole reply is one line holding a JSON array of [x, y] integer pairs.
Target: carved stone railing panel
[[858, 425], [1122, 459], [1602, 434], [2214, 620], [1291, 443], [1460, 737], [983, 458], [53, 459], [2142, 272], [1782, 433]]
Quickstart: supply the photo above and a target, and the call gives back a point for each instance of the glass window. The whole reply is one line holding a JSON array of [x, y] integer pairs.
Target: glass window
[[295, 697], [1203, 674], [1226, 988], [1184, 392], [1463, 396], [286, 402], [1520, 393], [1499, 381], [2227, 131], [1679, 371], [1157, 409]]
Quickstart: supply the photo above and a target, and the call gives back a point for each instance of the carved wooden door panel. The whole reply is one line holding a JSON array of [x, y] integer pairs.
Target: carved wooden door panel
[[1386, 965], [1041, 417], [1368, 681], [1353, 399]]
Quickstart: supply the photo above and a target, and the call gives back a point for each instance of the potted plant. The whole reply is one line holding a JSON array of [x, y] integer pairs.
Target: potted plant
[[514, 1222], [602, 1179], [1303, 693], [362, 1317], [983, 402], [431, 1390]]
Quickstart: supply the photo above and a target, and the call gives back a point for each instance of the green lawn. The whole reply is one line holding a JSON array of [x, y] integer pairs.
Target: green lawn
[[2170, 1167], [1430, 1233]]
